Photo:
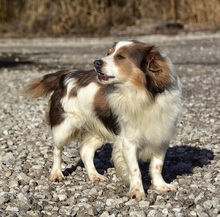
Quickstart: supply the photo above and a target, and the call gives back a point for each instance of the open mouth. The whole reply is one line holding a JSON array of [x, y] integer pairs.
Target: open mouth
[[103, 77]]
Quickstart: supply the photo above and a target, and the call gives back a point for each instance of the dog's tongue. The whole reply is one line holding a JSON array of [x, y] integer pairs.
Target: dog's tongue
[[103, 77]]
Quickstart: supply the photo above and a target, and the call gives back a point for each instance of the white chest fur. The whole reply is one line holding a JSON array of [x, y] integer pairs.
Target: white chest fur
[[143, 118]]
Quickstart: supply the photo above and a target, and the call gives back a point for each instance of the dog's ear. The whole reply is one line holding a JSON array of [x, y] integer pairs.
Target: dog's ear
[[157, 71], [152, 64]]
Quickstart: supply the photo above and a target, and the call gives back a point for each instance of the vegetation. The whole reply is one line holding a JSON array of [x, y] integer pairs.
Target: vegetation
[[97, 17]]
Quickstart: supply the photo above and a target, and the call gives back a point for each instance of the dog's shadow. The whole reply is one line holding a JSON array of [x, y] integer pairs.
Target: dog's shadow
[[180, 160]]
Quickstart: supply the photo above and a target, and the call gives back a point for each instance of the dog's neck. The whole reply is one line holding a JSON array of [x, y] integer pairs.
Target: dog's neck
[[122, 98]]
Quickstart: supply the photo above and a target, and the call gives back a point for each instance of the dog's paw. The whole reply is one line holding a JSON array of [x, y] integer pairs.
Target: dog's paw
[[56, 176], [97, 178], [136, 194], [165, 188]]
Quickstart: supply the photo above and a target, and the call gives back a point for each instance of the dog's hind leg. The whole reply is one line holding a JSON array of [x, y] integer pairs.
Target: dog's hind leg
[[62, 136], [87, 151]]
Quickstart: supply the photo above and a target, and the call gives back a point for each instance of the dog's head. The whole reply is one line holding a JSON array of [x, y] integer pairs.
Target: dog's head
[[136, 63]]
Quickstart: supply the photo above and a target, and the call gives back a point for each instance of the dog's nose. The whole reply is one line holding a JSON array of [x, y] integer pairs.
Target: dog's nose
[[98, 63]]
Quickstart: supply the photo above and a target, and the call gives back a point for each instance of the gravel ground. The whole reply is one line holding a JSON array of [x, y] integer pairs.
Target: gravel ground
[[192, 162]]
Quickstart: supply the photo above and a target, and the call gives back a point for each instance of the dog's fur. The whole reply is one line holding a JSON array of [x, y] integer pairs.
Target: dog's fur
[[131, 99]]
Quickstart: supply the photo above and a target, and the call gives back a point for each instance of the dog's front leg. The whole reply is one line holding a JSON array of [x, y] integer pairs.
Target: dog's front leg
[[156, 166], [130, 155]]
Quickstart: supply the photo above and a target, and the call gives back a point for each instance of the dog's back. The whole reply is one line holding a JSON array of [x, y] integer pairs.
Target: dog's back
[[73, 92]]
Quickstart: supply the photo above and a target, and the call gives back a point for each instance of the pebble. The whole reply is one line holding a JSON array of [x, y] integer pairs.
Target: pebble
[[23, 177], [110, 202], [144, 204], [12, 208], [65, 210], [62, 196], [137, 214], [131, 202], [105, 214], [2, 199], [152, 213], [93, 191], [207, 204]]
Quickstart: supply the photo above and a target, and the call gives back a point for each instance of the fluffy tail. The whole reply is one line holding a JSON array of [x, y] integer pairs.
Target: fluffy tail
[[119, 162], [43, 85]]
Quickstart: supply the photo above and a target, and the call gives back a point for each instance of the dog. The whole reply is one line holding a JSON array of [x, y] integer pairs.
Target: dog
[[130, 99]]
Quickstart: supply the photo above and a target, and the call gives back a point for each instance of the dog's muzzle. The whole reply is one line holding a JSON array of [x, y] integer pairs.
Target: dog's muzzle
[[98, 64]]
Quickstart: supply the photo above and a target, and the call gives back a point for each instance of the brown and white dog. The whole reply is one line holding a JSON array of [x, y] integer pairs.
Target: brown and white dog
[[131, 99]]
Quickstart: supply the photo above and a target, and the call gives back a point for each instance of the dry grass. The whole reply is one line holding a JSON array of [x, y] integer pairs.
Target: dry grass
[[97, 17]]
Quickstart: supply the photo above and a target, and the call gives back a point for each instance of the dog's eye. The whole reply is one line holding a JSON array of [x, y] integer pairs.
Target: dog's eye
[[120, 57], [108, 53]]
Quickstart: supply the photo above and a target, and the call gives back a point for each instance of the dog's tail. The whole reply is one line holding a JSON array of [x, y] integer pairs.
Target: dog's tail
[[44, 85], [119, 162]]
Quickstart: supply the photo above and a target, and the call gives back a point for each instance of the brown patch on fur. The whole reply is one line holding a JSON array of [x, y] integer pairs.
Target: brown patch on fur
[[82, 79], [104, 112], [138, 78], [55, 114], [158, 167], [128, 67], [158, 72]]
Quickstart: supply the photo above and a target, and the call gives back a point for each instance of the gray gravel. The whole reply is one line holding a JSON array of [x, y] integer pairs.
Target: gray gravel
[[192, 162]]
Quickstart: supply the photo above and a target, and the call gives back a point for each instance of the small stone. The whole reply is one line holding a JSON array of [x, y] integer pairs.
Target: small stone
[[144, 204], [165, 211], [83, 200], [10, 142], [177, 210], [104, 214], [131, 202], [2, 199], [137, 213], [23, 177], [193, 213], [90, 211], [110, 202], [74, 210], [199, 197], [62, 196], [22, 198], [37, 167], [93, 191], [152, 213], [202, 214], [33, 213], [12, 208], [13, 183], [65, 210], [207, 204], [5, 132]]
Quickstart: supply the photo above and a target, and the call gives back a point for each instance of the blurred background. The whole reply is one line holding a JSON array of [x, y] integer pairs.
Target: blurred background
[[40, 18]]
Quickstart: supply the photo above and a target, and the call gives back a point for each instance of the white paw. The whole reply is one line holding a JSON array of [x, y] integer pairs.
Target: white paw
[[97, 178], [136, 194], [165, 188], [56, 176]]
